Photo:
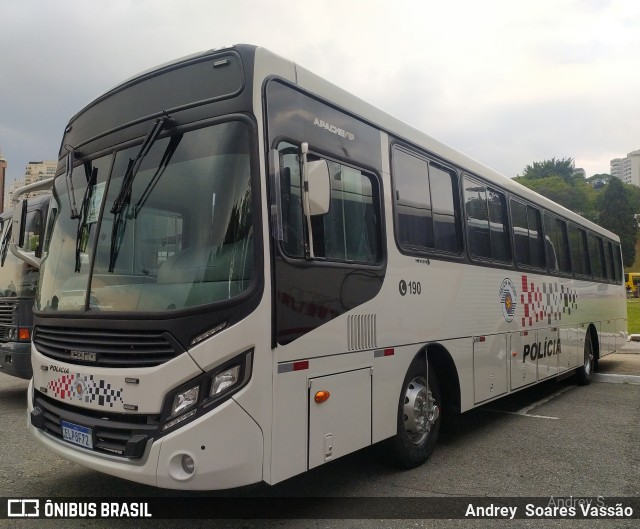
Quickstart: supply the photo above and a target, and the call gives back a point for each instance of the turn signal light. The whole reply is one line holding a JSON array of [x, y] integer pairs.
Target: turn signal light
[[23, 333], [322, 396]]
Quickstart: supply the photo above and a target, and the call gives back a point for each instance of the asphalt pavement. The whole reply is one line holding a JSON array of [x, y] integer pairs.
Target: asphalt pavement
[[552, 439], [624, 365]]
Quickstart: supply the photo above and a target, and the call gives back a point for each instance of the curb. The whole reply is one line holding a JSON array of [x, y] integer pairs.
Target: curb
[[616, 379]]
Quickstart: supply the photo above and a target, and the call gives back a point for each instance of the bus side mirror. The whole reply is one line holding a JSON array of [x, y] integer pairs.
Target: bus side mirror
[[319, 183], [19, 222]]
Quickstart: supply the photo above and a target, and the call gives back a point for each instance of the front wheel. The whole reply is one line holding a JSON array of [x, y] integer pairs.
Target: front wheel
[[418, 416], [583, 373]]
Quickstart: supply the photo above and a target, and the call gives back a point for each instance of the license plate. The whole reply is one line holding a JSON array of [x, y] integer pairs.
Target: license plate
[[76, 434]]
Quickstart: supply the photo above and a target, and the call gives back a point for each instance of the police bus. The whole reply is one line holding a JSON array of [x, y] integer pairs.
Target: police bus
[[252, 273], [18, 284]]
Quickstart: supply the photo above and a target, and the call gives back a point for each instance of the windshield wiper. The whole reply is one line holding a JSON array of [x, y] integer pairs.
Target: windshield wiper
[[124, 195], [71, 159], [92, 177], [5, 245], [166, 158]]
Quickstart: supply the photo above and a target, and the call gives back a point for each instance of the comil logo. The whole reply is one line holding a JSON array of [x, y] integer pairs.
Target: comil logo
[[23, 508]]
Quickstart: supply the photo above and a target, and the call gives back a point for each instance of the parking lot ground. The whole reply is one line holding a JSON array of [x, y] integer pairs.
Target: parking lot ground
[[625, 362], [553, 439]]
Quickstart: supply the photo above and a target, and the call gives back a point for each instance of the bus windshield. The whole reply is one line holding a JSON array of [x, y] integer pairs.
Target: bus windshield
[[175, 234]]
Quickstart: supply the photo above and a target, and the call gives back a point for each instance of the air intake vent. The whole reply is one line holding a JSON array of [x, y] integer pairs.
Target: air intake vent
[[361, 332], [114, 434], [105, 347], [7, 308]]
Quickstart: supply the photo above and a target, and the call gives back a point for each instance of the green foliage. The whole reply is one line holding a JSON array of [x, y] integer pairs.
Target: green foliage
[[574, 194], [562, 168], [633, 316], [616, 209], [601, 198]]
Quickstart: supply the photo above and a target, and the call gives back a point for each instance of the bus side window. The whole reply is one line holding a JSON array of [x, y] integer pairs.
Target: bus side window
[[579, 253], [557, 244], [596, 257], [486, 214], [350, 231], [426, 205], [608, 250]]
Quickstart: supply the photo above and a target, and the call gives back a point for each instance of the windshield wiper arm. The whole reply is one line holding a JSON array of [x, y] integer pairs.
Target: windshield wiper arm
[[92, 176], [5, 245], [71, 159], [166, 158], [127, 181], [124, 196]]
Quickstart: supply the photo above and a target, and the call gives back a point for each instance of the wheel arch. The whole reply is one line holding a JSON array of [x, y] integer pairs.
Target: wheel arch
[[442, 362], [595, 342]]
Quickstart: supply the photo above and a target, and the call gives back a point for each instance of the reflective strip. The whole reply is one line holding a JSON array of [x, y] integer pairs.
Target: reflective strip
[[389, 351], [293, 366]]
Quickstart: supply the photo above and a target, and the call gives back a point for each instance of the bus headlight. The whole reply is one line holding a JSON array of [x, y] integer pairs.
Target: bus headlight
[[204, 393], [185, 400], [225, 380]]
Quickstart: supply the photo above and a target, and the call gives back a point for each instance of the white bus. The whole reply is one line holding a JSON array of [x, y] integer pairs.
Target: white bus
[[252, 273]]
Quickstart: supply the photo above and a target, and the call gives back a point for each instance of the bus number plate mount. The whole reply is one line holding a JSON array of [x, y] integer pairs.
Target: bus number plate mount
[[76, 434]]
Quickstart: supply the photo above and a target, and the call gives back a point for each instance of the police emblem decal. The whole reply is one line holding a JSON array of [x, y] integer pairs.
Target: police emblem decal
[[508, 298]]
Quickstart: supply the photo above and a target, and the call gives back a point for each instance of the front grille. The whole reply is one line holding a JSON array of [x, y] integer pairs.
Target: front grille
[[113, 433], [106, 347], [7, 311]]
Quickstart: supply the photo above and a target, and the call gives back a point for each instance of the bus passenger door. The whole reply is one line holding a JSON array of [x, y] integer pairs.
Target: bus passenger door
[[489, 366], [339, 415], [524, 368]]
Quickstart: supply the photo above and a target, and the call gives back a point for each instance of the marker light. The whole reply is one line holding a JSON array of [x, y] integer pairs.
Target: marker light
[[185, 400], [224, 380], [322, 396]]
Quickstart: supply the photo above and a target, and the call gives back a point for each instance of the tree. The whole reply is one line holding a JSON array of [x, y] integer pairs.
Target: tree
[[617, 208], [562, 168]]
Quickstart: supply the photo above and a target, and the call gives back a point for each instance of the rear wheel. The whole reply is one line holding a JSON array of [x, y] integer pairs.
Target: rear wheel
[[583, 373], [418, 416]]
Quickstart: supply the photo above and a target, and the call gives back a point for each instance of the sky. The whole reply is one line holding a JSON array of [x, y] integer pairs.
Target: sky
[[505, 82]]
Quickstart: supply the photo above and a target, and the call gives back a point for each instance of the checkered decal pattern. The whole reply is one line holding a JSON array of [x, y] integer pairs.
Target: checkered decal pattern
[[85, 388], [547, 303]]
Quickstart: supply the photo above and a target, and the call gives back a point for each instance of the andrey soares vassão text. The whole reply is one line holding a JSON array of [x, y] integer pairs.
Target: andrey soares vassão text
[[555, 508]]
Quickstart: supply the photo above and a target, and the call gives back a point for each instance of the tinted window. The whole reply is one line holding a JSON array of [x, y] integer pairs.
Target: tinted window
[[557, 244], [579, 252], [527, 230], [426, 212], [617, 255], [596, 256], [413, 201], [349, 231], [608, 260], [485, 210]]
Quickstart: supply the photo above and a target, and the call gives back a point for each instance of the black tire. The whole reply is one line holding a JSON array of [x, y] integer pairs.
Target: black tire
[[417, 433], [584, 372]]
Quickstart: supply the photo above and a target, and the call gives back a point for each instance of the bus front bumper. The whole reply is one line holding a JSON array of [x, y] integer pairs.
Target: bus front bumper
[[225, 447]]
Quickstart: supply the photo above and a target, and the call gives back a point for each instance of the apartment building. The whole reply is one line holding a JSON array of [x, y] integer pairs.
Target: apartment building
[[627, 169]]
